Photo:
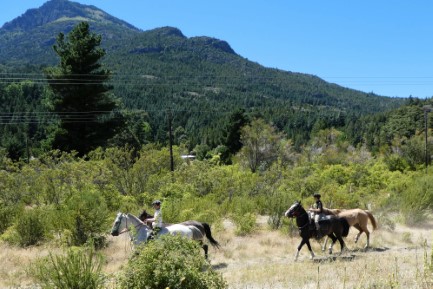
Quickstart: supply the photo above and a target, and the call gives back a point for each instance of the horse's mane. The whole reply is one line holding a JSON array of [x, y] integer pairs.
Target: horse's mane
[[131, 216]]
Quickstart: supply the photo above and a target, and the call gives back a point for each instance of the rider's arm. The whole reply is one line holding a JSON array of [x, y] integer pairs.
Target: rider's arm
[[320, 208]]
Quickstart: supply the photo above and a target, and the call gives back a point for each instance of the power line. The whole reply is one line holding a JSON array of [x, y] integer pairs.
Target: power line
[[177, 81], [35, 117]]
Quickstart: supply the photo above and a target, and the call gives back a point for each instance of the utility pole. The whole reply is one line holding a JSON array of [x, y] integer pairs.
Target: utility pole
[[427, 109]]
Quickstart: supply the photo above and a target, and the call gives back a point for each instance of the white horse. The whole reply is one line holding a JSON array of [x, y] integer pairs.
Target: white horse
[[140, 232]]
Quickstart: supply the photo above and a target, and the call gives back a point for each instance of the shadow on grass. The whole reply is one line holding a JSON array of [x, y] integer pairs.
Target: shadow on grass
[[219, 266]]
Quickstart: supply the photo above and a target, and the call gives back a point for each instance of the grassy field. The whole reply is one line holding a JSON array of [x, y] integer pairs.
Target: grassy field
[[400, 258]]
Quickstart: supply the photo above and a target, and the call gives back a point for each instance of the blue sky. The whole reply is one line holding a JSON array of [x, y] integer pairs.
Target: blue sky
[[379, 46]]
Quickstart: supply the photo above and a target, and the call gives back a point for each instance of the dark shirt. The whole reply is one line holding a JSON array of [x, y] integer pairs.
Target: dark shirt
[[319, 206]]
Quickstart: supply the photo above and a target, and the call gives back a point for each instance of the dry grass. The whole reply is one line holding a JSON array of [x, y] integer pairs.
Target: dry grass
[[15, 261], [265, 260]]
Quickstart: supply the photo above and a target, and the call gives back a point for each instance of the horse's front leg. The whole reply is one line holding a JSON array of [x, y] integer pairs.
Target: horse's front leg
[[309, 248], [300, 247]]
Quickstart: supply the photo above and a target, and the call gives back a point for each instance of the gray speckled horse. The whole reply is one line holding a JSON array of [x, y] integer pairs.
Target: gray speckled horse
[[140, 231]]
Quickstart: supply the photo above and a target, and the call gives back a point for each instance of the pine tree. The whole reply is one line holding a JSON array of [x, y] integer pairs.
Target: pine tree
[[233, 140], [81, 98]]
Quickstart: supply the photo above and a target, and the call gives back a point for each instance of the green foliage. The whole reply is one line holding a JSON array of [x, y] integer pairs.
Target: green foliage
[[171, 262], [260, 145], [416, 201], [88, 215], [191, 208], [8, 215], [396, 163], [275, 206], [201, 151], [414, 150], [245, 223], [30, 228], [243, 215], [79, 268]]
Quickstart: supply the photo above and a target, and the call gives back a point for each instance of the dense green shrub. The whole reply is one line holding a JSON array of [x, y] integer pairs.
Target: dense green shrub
[[416, 201], [245, 224], [30, 228], [7, 216], [87, 216], [79, 268], [171, 262]]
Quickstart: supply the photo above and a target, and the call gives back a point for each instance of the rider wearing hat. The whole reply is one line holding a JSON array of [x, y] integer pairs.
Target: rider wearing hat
[[156, 220], [318, 212]]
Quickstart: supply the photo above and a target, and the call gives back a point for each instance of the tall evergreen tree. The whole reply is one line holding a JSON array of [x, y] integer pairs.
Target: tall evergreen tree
[[233, 140], [81, 98]]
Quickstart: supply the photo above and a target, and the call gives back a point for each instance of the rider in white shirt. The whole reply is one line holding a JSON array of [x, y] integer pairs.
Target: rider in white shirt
[[156, 220]]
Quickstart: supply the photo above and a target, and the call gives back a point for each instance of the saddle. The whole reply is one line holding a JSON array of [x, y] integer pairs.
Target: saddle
[[324, 225]]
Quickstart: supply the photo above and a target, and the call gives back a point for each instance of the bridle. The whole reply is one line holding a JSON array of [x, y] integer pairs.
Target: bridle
[[296, 210], [127, 229], [296, 214]]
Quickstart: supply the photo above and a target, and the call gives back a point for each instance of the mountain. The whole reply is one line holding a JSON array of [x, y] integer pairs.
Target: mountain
[[201, 80], [29, 37]]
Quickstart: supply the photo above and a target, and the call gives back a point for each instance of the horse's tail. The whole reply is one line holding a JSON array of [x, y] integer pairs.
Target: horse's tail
[[372, 219], [346, 227], [209, 235]]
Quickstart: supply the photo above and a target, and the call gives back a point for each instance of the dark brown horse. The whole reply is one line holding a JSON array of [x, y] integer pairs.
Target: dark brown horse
[[334, 227], [199, 228]]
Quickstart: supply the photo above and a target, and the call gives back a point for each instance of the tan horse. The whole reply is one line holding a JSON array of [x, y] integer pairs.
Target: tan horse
[[357, 218]]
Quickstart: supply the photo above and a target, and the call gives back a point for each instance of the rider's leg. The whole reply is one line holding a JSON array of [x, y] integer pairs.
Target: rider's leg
[[316, 222]]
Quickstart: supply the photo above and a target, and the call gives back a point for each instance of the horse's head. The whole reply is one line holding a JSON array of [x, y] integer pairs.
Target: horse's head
[[118, 224], [294, 211], [144, 215]]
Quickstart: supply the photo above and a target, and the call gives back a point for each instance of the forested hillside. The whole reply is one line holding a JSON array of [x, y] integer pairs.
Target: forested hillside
[[198, 83]]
